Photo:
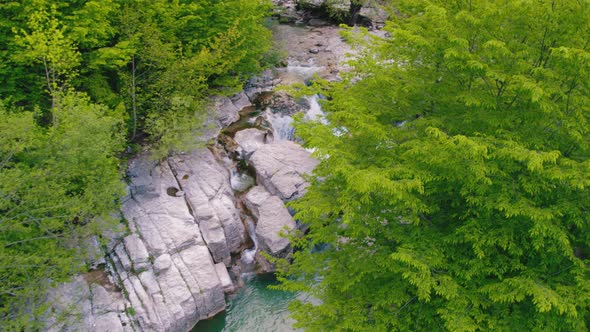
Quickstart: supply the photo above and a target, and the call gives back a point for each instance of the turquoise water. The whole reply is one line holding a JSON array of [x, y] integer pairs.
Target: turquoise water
[[254, 308]]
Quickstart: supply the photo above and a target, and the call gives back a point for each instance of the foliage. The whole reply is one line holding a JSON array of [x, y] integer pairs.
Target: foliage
[[57, 186], [455, 195], [79, 78], [134, 55]]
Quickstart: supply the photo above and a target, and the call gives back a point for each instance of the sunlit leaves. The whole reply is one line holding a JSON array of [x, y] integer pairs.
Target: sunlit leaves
[[462, 176]]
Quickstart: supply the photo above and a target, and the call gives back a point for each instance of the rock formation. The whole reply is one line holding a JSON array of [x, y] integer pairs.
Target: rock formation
[[184, 225]]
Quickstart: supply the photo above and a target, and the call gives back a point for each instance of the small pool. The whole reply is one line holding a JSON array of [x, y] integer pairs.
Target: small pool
[[254, 307]]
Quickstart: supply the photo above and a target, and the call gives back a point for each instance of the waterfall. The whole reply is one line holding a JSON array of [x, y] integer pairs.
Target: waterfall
[[248, 254], [240, 181], [282, 126], [315, 112]]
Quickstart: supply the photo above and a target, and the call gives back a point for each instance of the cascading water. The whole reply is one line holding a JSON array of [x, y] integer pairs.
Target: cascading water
[[248, 254], [282, 126], [315, 112], [240, 181]]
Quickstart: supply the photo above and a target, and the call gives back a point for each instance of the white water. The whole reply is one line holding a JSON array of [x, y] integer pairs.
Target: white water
[[315, 112], [297, 72], [248, 254], [282, 126], [240, 181]]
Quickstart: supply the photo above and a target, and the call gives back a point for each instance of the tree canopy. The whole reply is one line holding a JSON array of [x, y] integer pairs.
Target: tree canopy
[[150, 60], [453, 190]]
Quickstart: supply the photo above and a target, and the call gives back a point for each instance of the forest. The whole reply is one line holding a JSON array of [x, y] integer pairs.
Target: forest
[[453, 185]]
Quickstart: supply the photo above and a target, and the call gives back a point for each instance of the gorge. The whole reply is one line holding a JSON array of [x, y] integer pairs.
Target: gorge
[[197, 222]]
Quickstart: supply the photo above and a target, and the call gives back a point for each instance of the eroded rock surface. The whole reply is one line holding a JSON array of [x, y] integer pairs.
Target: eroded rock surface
[[251, 139], [273, 218], [281, 167], [170, 271], [210, 197]]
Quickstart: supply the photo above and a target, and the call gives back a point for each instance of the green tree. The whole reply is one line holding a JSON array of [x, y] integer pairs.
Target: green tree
[[455, 192], [154, 60], [58, 186], [46, 44]]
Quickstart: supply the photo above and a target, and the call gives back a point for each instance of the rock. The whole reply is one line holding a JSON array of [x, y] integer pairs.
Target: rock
[[223, 275], [311, 4], [163, 220], [94, 254], [278, 102], [104, 301], [109, 322], [137, 252], [228, 143], [263, 99], [251, 139], [210, 197], [199, 264], [124, 259], [150, 283], [280, 167], [182, 285], [263, 265], [225, 111], [240, 100], [262, 124], [181, 222], [255, 199], [265, 81], [272, 218], [317, 22], [62, 298], [162, 263]]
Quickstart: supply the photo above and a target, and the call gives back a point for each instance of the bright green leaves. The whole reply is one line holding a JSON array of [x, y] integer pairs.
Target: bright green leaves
[[136, 56], [46, 44], [544, 298], [456, 167], [58, 187]]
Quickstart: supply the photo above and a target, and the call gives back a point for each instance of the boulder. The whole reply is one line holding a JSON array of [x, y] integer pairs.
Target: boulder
[[208, 193], [251, 139], [273, 218], [225, 111], [278, 102], [223, 275], [240, 100], [281, 167], [137, 252], [164, 265]]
